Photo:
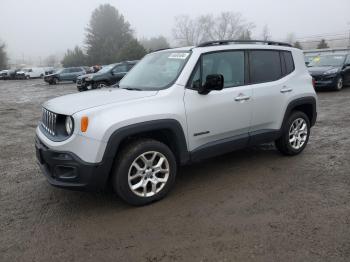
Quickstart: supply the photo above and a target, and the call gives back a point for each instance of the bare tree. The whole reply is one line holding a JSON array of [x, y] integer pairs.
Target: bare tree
[[265, 35], [154, 43], [227, 25], [51, 60]]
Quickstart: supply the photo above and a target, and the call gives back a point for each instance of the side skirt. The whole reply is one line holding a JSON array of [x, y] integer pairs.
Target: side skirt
[[227, 145]]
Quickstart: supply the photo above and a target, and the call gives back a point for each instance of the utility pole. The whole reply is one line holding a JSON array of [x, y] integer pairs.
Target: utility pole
[[349, 35]]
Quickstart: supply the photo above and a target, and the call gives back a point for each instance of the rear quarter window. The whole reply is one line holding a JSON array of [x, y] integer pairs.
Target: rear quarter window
[[288, 62]]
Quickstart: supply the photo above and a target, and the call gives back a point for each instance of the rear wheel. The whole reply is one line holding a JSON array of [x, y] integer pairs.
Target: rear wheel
[[295, 134], [144, 172]]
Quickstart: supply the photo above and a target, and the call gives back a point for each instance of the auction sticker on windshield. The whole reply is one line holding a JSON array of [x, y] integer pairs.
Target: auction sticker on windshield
[[178, 55]]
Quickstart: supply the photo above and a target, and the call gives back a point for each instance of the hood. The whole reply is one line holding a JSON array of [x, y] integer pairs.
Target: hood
[[319, 70], [84, 76], [70, 104], [53, 74]]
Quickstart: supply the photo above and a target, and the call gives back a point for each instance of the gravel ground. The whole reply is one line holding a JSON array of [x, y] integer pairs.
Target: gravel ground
[[250, 205]]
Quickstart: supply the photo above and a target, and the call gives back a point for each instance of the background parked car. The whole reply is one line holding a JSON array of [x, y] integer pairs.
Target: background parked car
[[107, 76], [27, 73], [331, 70], [65, 74], [3, 73], [9, 74]]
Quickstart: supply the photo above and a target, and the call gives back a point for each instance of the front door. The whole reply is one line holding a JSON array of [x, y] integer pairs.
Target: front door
[[220, 117]]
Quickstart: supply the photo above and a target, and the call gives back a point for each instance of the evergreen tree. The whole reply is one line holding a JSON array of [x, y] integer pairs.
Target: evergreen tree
[[108, 36], [322, 44], [3, 57], [297, 45], [75, 57]]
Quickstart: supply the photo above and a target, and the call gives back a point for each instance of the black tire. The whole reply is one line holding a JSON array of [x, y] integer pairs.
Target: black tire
[[82, 89], [124, 162], [283, 144], [55, 81], [99, 84], [340, 84]]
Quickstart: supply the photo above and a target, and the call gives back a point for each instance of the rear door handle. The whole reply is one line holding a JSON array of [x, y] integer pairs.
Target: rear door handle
[[286, 89], [242, 97]]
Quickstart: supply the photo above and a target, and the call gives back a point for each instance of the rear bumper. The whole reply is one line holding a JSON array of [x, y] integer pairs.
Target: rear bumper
[[66, 170]]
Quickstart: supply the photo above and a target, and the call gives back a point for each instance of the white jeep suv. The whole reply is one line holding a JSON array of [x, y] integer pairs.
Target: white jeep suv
[[174, 107]]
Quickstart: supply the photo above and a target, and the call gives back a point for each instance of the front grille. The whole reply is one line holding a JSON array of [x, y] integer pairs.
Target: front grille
[[48, 121]]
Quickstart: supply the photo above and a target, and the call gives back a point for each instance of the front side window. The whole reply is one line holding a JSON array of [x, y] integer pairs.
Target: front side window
[[347, 60], [230, 64], [156, 71], [120, 69], [265, 66]]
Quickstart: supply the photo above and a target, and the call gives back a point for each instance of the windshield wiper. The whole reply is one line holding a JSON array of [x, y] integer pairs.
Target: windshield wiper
[[131, 88]]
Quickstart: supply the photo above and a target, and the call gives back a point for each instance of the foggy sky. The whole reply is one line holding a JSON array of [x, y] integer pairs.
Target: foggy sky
[[33, 28]]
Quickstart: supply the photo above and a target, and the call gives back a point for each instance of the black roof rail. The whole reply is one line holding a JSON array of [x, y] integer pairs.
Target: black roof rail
[[227, 42]]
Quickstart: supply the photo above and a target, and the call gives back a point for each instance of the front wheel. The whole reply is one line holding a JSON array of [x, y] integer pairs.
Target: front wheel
[[55, 81], [99, 85], [295, 134], [144, 172], [339, 85]]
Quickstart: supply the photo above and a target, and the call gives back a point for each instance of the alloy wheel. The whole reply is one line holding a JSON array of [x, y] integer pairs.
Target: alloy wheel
[[298, 133], [148, 174]]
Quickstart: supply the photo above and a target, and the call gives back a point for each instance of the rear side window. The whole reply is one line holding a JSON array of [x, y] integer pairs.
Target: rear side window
[[288, 61], [265, 66]]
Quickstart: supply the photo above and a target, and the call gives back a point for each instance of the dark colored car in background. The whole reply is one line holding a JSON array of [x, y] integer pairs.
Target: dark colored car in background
[[331, 71], [107, 76], [9, 74], [65, 74]]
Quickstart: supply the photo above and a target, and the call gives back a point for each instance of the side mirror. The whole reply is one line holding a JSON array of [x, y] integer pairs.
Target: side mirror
[[213, 82]]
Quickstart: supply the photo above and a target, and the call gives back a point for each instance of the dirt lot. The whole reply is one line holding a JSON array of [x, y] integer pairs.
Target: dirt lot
[[251, 205]]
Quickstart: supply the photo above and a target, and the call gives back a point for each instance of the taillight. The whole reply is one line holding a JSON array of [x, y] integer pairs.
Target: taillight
[[313, 82]]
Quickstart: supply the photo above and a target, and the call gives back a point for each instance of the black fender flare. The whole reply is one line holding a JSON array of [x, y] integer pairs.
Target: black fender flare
[[120, 134], [309, 100]]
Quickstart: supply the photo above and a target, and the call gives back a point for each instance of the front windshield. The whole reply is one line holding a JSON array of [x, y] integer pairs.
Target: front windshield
[[106, 69], [327, 60], [155, 71]]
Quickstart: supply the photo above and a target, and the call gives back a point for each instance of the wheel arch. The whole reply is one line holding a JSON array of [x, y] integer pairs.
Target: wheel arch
[[306, 105], [168, 131]]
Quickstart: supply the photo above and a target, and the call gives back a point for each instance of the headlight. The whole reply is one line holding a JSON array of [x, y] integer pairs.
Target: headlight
[[331, 71], [69, 125], [89, 78]]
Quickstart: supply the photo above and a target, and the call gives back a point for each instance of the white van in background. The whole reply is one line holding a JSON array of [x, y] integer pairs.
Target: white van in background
[[33, 72]]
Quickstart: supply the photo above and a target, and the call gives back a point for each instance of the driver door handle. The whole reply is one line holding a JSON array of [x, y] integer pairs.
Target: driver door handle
[[242, 97], [286, 89]]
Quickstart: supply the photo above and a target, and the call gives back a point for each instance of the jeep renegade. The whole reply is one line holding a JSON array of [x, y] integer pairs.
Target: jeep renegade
[[174, 107]]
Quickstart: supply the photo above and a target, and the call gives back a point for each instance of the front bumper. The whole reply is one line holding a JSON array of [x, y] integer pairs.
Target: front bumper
[[325, 81], [66, 170]]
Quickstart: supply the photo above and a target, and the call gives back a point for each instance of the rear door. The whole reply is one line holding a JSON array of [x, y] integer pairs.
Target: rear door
[[220, 119], [270, 75]]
